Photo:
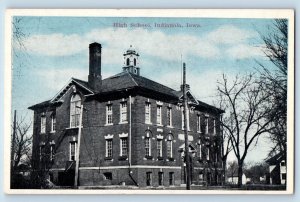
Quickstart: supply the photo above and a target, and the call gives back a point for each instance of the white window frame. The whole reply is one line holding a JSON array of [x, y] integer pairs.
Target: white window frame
[[187, 118], [200, 149], [207, 153], [215, 130], [147, 146], [169, 145], [148, 113], [75, 151], [43, 124], [109, 147], [75, 108], [150, 178], [159, 115], [169, 117], [198, 123], [52, 152], [109, 113], [206, 125], [121, 146], [53, 123], [123, 112], [159, 148]]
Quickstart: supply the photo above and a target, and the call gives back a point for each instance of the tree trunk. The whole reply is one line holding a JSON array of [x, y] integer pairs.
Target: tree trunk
[[240, 173]]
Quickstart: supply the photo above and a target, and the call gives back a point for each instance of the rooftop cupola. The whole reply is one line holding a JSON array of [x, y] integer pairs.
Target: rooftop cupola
[[131, 61]]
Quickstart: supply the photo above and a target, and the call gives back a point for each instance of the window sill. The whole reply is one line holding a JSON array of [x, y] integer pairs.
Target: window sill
[[108, 159], [53, 131], [160, 158], [125, 122], [149, 123], [42, 133], [109, 124], [170, 126], [148, 157], [160, 125], [122, 158], [170, 159], [72, 128]]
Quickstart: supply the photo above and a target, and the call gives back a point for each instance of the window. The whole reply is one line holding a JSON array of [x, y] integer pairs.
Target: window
[[160, 178], [108, 146], [170, 146], [201, 178], [127, 62], [73, 148], [42, 151], [123, 113], [187, 118], [283, 176], [148, 113], [148, 146], [199, 123], [171, 178], [124, 147], [148, 178], [53, 123], [109, 114], [134, 62], [199, 149], [159, 148], [158, 118], [169, 116], [282, 163], [215, 131], [43, 124], [52, 152], [206, 125], [108, 176], [75, 111], [207, 153]]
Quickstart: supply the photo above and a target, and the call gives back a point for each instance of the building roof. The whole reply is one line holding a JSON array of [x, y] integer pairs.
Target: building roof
[[275, 159], [127, 80], [123, 81]]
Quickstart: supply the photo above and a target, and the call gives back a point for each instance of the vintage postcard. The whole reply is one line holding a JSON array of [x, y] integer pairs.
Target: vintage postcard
[[149, 101]]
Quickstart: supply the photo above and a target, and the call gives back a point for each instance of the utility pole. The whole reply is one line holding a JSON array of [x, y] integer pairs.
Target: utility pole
[[78, 149], [187, 156], [12, 152]]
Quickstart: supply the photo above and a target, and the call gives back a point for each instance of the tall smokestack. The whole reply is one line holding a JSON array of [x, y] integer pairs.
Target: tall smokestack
[[95, 78]]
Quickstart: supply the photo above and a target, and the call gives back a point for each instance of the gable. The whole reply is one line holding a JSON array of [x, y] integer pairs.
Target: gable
[[72, 83], [190, 98]]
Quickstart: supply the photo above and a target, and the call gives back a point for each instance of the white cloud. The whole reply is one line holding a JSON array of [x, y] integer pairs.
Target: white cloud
[[229, 34], [54, 80], [152, 43], [243, 51]]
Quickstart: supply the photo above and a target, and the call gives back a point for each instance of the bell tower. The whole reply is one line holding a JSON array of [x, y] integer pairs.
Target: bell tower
[[131, 61]]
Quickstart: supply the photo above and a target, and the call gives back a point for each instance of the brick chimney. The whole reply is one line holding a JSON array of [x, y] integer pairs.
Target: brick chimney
[[95, 78]]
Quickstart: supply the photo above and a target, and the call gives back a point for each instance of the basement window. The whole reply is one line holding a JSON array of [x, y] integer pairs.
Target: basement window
[[108, 176]]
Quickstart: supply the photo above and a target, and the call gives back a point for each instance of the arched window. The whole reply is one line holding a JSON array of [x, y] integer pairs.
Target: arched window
[[148, 144], [75, 110], [127, 62], [170, 146], [134, 61]]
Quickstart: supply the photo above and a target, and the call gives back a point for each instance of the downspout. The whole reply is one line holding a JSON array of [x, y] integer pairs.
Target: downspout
[[130, 145]]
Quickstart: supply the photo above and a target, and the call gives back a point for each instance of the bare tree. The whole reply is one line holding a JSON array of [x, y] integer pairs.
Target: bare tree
[[275, 81], [247, 115], [22, 144]]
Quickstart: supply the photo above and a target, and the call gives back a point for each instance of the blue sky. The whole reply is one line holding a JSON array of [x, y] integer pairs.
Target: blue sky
[[56, 49]]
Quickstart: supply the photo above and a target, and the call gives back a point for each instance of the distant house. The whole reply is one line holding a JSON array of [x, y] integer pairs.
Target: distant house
[[234, 179], [277, 169]]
